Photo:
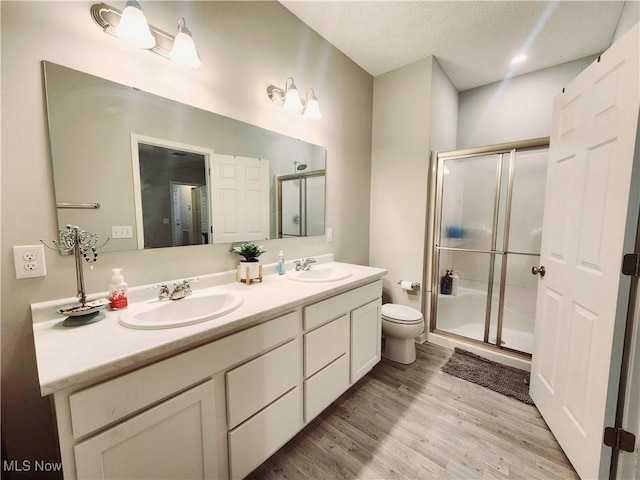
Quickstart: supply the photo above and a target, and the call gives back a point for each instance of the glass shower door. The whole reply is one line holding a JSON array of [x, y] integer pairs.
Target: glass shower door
[[519, 286], [466, 242], [489, 225]]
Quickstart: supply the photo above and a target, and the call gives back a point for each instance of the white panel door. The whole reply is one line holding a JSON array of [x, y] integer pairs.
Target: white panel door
[[240, 198], [588, 185]]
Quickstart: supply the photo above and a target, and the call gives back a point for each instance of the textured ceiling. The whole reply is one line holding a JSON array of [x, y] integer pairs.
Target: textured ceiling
[[473, 41]]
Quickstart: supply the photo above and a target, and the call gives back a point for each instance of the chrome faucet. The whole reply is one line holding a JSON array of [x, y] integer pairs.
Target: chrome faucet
[[181, 290], [304, 264]]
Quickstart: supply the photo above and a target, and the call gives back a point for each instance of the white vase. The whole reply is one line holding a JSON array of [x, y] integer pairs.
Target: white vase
[[252, 272]]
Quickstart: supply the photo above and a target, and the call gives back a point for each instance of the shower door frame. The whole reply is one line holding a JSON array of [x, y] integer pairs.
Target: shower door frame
[[302, 201], [436, 184]]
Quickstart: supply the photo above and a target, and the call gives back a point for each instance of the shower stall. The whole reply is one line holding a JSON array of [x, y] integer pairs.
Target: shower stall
[[300, 203], [485, 239]]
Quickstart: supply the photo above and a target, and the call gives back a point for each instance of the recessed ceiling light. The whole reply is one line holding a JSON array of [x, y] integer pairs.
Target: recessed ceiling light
[[521, 57]]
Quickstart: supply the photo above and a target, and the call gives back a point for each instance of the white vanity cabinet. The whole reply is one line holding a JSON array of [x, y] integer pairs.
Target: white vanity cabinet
[[342, 343], [220, 409], [169, 419]]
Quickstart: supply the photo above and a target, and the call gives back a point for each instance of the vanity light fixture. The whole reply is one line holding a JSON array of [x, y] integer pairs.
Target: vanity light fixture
[[131, 26], [289, 99]]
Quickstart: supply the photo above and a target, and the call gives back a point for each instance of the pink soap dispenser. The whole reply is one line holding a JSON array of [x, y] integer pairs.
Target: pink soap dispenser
[[118, 290]]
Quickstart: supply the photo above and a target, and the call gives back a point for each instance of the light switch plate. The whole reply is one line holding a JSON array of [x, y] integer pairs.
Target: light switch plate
[[29, 261]]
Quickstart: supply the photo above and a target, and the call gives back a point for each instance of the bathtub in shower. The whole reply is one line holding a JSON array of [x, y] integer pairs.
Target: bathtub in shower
[[464, 314]]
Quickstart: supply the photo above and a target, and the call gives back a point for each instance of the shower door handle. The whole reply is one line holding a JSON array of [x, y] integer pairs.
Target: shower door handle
[[538, 270]]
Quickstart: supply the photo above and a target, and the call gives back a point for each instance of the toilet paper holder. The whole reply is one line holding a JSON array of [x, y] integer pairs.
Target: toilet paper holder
[[413, 285]]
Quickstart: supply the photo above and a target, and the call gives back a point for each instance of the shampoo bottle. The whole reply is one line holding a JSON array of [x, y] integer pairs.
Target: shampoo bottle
[[118, 290], [281, 263], [446, 283]]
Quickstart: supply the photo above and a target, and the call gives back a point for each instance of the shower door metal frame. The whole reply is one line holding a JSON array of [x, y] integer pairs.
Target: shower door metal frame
[[302, 204], [436, 184]]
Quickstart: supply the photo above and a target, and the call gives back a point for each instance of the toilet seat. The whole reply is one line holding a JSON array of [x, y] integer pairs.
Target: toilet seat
[[400, 314]]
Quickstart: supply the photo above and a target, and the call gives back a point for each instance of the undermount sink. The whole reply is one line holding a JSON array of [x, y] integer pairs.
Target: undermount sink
[[193, 309], [319, 274]]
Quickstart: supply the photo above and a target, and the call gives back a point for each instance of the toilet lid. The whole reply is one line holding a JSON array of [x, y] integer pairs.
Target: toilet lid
[[400, 313]]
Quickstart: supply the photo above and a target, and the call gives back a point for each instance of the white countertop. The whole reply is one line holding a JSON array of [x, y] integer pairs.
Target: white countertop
[[67, 356]]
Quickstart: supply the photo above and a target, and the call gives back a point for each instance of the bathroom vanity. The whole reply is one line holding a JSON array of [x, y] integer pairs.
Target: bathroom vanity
[[214, 399]]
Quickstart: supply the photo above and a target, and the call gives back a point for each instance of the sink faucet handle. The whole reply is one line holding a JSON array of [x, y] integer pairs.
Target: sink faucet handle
[[164, 293]]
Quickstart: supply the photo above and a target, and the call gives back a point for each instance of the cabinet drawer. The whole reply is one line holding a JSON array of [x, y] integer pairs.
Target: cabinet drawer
[[259, 382], [325, 344], [258, 438], [110, 401], [325, 386], [322, 312]]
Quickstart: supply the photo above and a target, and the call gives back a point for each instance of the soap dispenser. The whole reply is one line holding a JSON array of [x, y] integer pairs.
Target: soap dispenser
[[281, 263], [446, 283], [118, 290]]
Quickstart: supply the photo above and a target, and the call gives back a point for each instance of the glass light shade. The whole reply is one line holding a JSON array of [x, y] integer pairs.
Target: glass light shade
[[292, 101], [133, 28], [312, 109], [184, 51]]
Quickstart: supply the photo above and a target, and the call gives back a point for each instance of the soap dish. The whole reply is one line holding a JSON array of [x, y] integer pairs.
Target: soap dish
[[78, 314]]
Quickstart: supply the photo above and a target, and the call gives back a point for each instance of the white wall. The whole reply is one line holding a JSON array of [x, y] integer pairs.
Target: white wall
[[244, 47], [515, 109], [414, 109], [629, 16]]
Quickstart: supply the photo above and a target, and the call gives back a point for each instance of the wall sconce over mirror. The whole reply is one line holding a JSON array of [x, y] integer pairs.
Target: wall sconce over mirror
[[289, 99], [131, 26]]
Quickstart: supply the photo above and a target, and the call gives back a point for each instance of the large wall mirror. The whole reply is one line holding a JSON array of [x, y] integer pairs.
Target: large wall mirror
[[150, 172]]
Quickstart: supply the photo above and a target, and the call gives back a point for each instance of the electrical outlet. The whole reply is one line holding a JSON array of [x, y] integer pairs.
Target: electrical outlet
[[29, 261], [122, 231], [329, 234]]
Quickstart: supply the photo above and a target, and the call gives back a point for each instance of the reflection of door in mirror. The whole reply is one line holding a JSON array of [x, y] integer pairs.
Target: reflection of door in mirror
[[301, 204], [170, 181], [186, 215], [239, 198]]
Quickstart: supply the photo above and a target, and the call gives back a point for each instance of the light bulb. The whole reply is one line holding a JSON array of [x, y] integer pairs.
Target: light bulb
[[133, 28], [292, 101], [312, 108], [184, 51]]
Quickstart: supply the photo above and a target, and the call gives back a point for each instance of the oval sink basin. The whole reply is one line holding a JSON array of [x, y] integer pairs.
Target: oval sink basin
[[319, 274], [179, 313]]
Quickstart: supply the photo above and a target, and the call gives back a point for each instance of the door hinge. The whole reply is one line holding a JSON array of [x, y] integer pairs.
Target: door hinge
[[620, 439], [631, 264]]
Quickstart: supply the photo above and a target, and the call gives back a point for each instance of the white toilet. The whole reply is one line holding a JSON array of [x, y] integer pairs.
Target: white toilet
[[400, 326]]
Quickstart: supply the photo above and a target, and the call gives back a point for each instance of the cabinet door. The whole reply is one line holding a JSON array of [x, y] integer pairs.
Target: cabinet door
[[366, 332], [173, 440]]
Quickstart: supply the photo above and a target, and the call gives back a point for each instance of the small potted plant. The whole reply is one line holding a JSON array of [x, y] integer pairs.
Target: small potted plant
[[250, 267]]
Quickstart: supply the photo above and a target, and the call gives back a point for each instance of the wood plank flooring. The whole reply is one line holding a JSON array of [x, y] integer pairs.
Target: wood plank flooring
[[416, 422]]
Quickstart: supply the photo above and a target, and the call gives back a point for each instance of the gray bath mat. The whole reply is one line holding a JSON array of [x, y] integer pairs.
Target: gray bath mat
[[509, 381]]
